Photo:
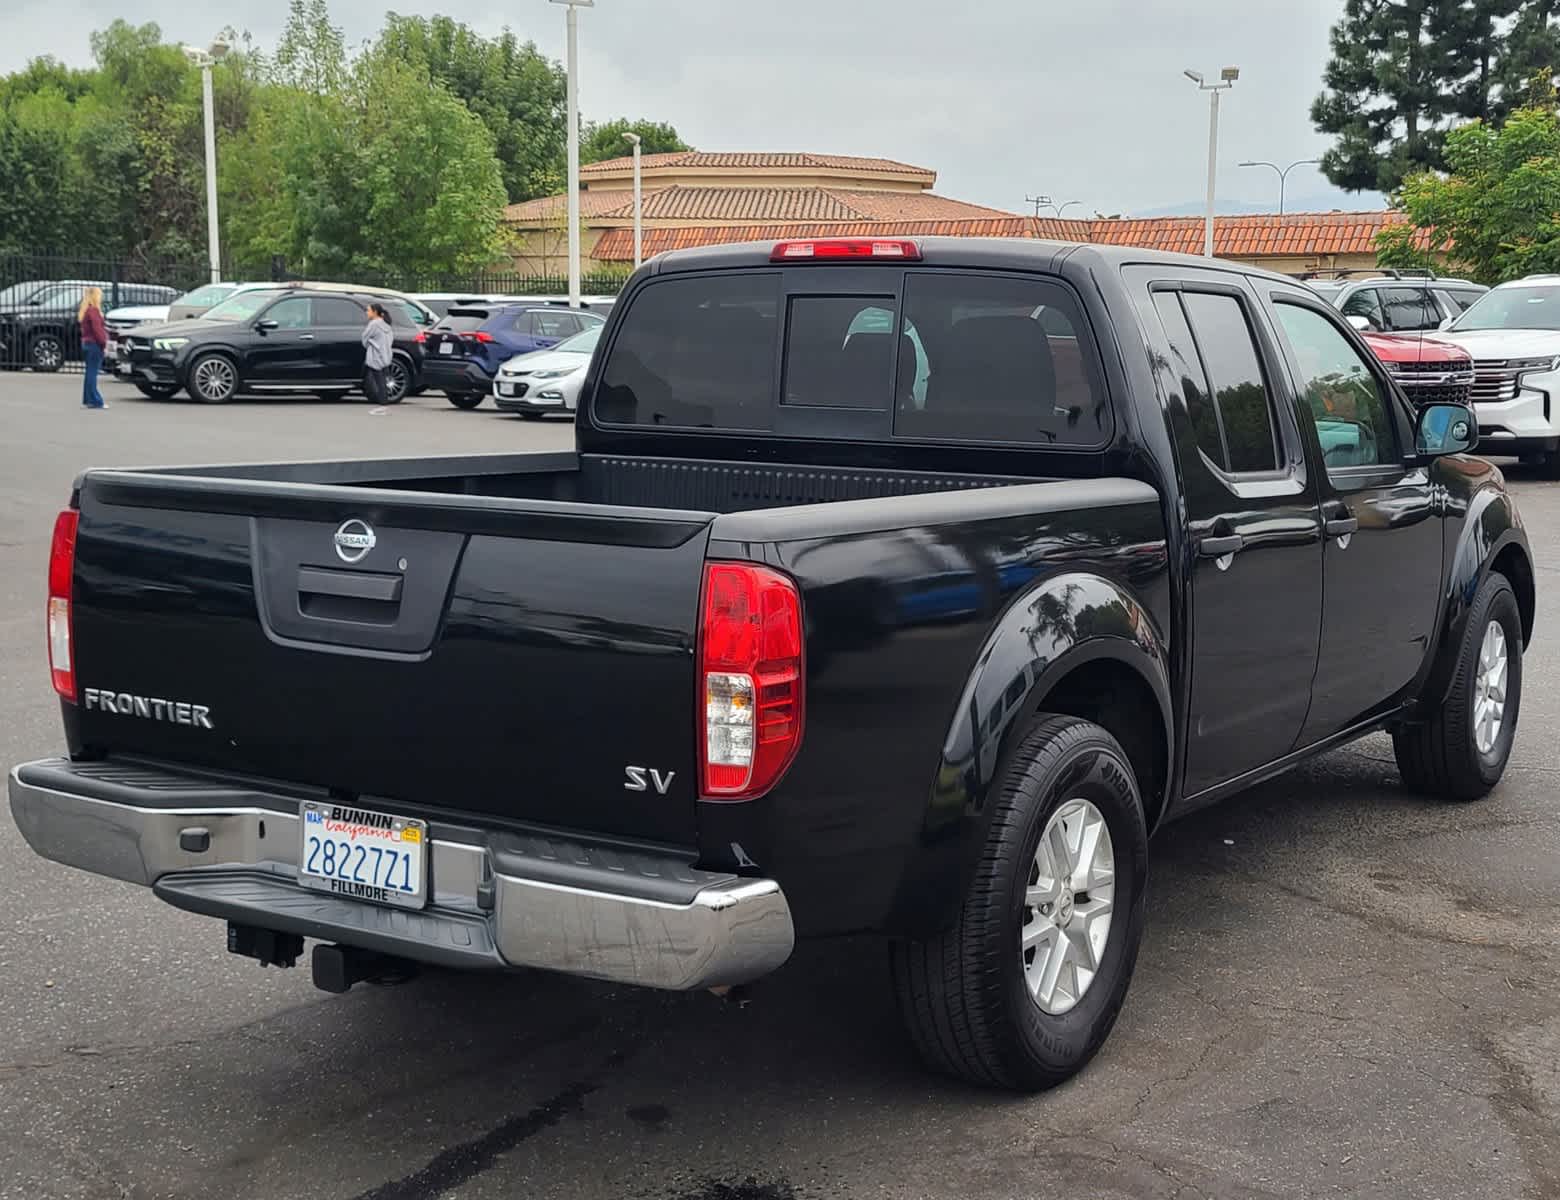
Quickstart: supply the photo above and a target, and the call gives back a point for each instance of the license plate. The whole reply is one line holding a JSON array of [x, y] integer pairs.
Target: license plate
[[364, 855], [446, 347], [111, 349]]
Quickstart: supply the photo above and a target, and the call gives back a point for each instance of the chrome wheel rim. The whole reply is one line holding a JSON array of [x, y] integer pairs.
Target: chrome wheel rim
[[214, 378], [1068, 903], [395, 381], [48, 353], [1489, 688]]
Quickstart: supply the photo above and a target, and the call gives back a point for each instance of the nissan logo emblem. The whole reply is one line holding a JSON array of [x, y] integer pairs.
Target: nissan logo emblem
[[354, 539]]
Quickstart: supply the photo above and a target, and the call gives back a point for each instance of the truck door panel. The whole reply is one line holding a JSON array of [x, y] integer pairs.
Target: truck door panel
[[1382, 563], [1254, 526]]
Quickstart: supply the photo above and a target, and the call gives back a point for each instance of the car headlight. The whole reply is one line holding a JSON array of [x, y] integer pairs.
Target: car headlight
[[559, 373], [1393, 368], [172, 343]]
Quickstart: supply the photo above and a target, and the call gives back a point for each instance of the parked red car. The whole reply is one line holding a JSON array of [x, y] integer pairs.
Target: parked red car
[[1428, 370]]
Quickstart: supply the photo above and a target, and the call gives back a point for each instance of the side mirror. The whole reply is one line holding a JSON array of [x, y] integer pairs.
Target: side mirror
[[267, 325], [1446, 322], [1361, 323], [1446, 429]]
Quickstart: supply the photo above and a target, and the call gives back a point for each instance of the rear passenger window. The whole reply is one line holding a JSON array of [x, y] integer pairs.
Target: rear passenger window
[[839, 351], [553, 324], [1234, 371], [1408, 309], [1004, 361], [1188, 371], [695, 352], [333, 311]]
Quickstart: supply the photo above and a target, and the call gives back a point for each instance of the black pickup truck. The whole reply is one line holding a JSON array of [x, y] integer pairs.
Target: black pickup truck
[[900, 587]]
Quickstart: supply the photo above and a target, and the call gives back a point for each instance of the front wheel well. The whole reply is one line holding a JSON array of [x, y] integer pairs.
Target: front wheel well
[[1120, 701], [1514, 565]]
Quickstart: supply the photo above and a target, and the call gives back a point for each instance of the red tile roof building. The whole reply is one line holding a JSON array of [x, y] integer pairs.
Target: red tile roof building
[[699, 198]]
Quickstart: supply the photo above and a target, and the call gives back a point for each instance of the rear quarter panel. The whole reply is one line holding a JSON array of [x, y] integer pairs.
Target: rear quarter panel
[[930, 622]]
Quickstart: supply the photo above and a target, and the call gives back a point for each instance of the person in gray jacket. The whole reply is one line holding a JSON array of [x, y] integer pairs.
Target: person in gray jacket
[[377, 338]]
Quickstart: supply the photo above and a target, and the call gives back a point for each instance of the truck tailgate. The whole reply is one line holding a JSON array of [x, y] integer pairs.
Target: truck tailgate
[[489, 656]]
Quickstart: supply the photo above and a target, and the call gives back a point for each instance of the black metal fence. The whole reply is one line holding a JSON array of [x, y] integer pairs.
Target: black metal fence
[[41, 293]]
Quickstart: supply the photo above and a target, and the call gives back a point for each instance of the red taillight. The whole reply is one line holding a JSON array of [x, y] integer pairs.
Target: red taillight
[[482, 335], [62, 570], [750, 679], [421, 337], [900, 249]]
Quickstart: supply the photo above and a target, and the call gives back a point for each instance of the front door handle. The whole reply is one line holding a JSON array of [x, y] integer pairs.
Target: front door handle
[[1218, 547], [305, 337], [1340, 527]]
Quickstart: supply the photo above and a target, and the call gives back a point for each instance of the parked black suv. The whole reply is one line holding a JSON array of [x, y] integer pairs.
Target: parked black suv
[[291, 338], [38, 326]]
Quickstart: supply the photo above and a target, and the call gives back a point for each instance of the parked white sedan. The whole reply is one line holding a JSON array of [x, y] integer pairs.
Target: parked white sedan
[[546, 381]]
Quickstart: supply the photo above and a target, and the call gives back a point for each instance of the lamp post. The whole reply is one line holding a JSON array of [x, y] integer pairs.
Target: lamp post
[[1283, 174], [1227, 78], [1061, 208], [572, 27], [639, 225], [204, 60]]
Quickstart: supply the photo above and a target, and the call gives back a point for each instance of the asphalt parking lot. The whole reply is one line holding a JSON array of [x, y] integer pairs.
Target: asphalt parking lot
[[1343, 990]]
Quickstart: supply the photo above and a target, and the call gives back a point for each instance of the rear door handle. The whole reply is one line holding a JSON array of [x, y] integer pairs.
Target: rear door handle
[[1218, 547], [1337, 527], [305, 337]]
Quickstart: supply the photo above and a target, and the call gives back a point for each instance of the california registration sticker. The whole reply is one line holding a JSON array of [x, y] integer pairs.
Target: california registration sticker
[[411, 834]]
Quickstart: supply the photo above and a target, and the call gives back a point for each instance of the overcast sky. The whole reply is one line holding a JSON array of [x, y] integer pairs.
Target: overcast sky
[[1075, 99]]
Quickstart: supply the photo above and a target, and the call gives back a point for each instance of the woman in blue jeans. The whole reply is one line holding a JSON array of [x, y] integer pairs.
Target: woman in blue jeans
[[94, 341]]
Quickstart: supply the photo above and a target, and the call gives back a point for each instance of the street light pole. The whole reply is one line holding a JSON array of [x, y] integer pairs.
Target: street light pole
[[1064, 207], [1228, 76], [639, 224], [204, 59], [1283, 174], [572, 27]]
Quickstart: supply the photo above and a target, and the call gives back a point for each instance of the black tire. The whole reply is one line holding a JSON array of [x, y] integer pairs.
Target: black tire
[[1440, 756], [156, 391], [963, 993], [398, 379], [46, 353], [209, 382], [464, 399], [1549, 464]]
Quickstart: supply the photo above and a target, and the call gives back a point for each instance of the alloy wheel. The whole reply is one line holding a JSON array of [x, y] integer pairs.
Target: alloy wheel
[[1068, 903], [215, 378], [1489, 689]]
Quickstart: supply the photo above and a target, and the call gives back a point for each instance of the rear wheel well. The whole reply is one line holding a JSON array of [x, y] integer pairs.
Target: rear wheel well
[[1120, 701], [1514, 565]]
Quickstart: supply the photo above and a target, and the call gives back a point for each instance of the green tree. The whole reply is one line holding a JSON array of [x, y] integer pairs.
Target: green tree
[[1498, 208], [517, 92], [1531, 52], [601, 142], [1390, 87]]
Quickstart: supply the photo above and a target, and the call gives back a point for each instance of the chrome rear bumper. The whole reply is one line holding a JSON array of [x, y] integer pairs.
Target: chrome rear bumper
[[495, 899]]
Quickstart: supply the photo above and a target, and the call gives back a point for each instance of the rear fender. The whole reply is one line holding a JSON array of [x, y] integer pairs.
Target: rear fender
[[1489, 532], [1066, 623]]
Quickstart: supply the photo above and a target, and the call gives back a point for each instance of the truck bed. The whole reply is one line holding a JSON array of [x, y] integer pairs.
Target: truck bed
[[683, 485]]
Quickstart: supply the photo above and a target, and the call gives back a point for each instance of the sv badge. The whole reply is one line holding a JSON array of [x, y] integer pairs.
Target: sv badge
[[642, 779]]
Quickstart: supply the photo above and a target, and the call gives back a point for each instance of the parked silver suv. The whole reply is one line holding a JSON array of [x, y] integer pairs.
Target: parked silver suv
[[1394, 302]]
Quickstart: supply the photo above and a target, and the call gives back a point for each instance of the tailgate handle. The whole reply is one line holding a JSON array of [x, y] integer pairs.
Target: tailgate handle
[[354, 585]]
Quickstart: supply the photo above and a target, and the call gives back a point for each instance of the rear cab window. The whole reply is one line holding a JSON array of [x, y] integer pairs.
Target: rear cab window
[[871, 354]]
